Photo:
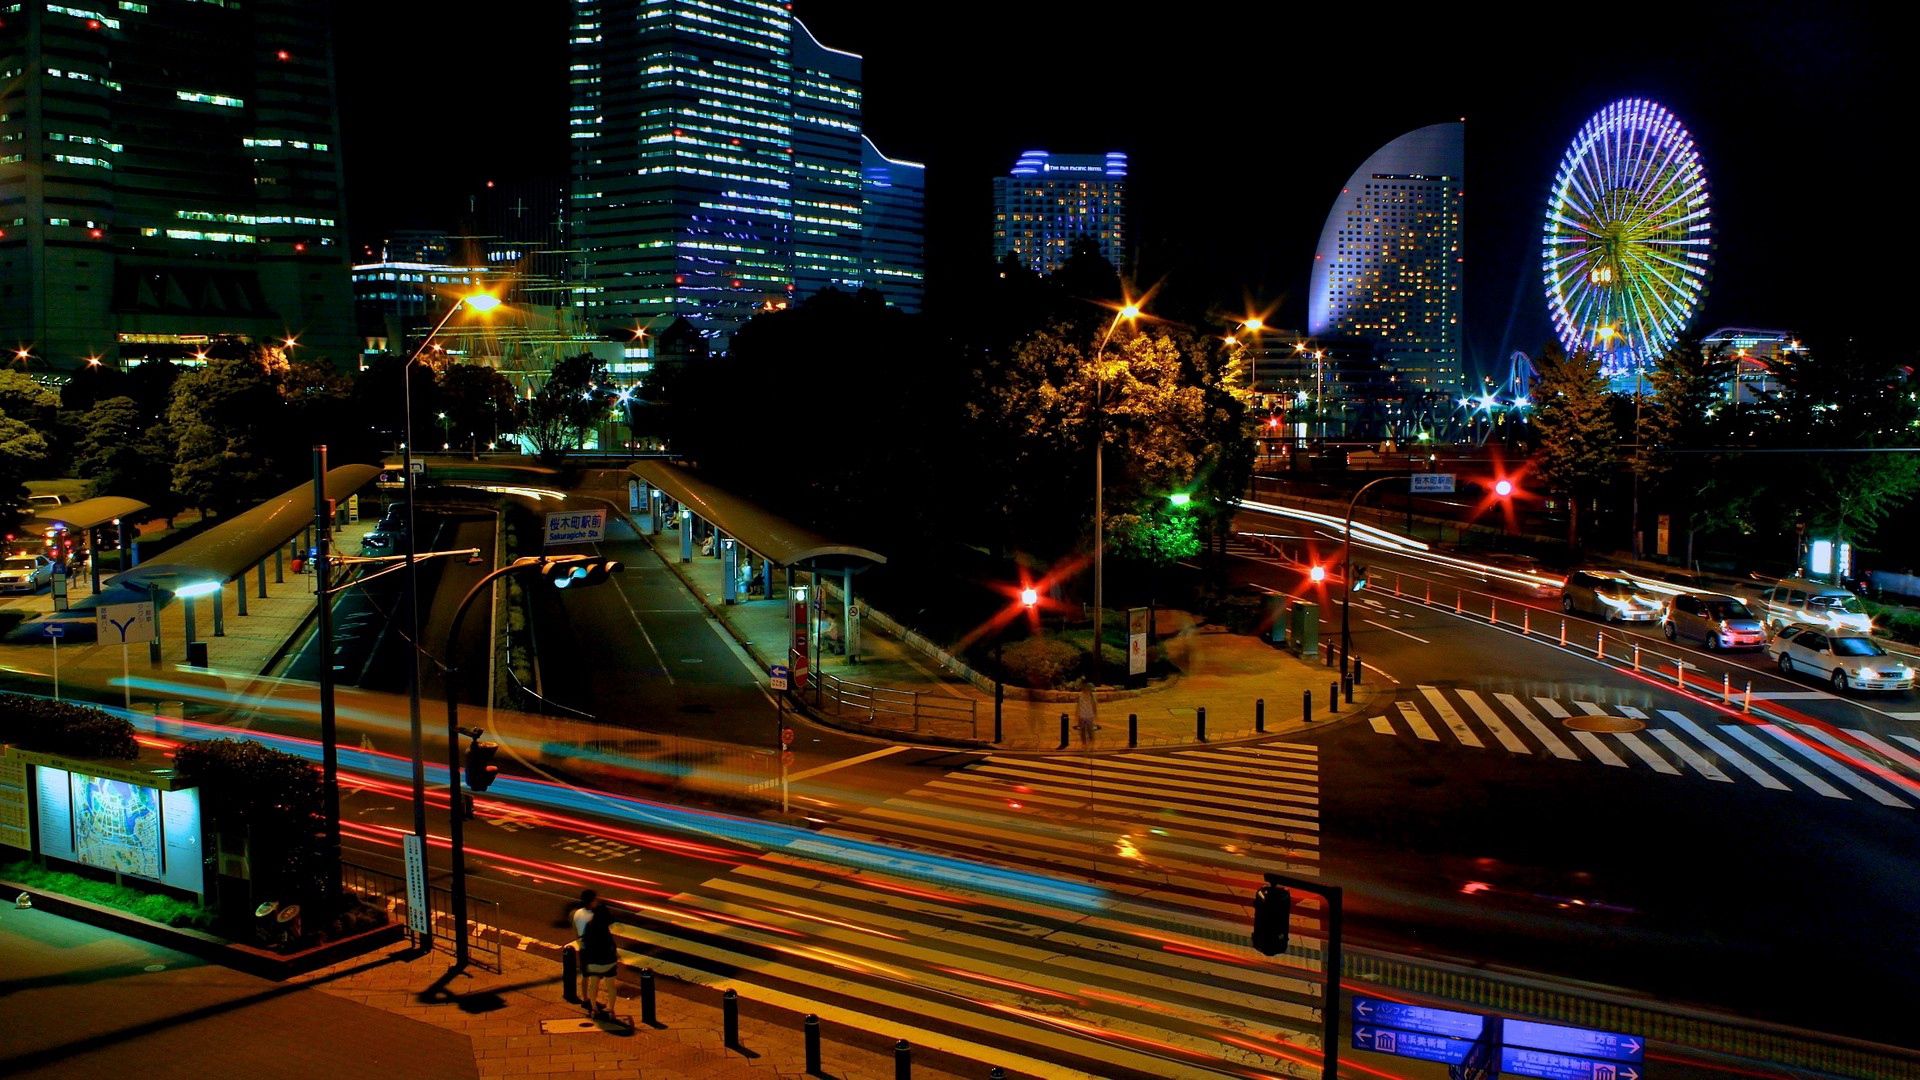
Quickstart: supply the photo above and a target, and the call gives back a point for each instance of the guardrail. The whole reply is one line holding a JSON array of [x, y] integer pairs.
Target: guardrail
[[896, 710], [383, 889]]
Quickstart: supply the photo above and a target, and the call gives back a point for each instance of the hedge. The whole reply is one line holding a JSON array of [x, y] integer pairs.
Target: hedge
[[1042, 663], [59, 727]]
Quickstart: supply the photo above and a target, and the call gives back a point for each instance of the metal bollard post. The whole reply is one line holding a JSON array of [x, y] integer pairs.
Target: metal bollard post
[[1063, 731], [1260, 715], [1347, 683], [1526, 621], [1563, 633], [647, 1014], [1356, 671], [813, 1044], [1747, 706], [1680, 674], [1600, 645], [1333, 698], [570, 974], [1726, 688], [1200, 723], [730, 1018], [1636, 656], [902, 1061], [1133, 730]]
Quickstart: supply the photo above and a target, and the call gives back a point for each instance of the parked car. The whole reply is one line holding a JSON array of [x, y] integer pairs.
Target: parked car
[[1797, 600], [25, 573], [1609, 597], [1851, 661], [1715, 620], [381, 542]]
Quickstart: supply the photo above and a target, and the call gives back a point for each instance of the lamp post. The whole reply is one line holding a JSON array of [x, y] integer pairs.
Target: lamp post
[[1129, 312], [481, 302]]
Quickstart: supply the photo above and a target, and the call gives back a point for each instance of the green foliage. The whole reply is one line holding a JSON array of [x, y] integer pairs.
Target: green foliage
[[1573, 420], [478, 402], [24, 398], [59, 727], [223, 419], [23, 450], [572, 400], [125, 453], [1042, 663], [154, 907], [1161, 536], [275, 800]]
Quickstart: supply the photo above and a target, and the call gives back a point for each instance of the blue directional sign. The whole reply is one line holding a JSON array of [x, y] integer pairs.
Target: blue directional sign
[[1394, 1014], [1411, 1044], [1582, 1042], [1518, 1061]]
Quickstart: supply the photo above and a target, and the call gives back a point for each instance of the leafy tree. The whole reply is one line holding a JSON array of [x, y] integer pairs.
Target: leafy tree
[[1681, 423], [25, 399], [559, 414], [124, 453], [223, 420], [1573, 420], [479, 403], [23, 451]]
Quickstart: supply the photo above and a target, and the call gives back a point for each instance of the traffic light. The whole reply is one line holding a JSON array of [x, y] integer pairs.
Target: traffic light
[[1359, 578], [1503, 487], [1272, 911], [1317, 574], [1029, 597], [480, 767], [578, 571]]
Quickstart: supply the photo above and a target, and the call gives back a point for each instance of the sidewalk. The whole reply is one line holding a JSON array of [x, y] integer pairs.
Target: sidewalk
[[1223, 673], [81, 998]]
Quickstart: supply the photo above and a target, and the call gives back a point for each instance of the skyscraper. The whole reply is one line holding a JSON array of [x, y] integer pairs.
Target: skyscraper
[[1390, 261], [169, 174], [717, 162], [1047, 202], [893, 226]]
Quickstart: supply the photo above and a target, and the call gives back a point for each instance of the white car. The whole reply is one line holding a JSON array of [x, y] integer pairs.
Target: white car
[[1851, 661], [25, 573]]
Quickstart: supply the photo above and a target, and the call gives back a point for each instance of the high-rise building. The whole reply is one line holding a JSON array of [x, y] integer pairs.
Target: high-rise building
[[170, 174], [1390, 261], [1047, 202], [893, 226], [717, 162]]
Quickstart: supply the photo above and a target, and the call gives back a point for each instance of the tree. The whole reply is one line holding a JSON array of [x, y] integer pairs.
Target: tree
[[1573, 419], [125, 454], [1679, 427], [478, 402], [223, 421], [25, 399], [559, 414], [274, 800], [23, 451]]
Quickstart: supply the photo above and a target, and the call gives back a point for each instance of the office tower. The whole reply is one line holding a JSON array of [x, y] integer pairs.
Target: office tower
[[1048, 202], [169, 175], [1390, 261], [893, 226]]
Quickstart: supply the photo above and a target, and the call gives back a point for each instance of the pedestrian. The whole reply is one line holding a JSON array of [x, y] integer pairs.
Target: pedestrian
[[600, 958], [1089, 710]]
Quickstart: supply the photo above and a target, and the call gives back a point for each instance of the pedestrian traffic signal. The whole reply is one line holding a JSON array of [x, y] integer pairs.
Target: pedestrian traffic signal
[[1272, 911], [480, 767]]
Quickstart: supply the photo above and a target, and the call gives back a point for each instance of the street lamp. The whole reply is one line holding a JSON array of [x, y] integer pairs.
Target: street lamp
[[1129, 312], [563, 572]]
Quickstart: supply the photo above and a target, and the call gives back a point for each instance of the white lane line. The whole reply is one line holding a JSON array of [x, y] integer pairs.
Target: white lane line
[[1909, 740], [1904, 716], [1726, 753], [1845, 775], [1552, 708], [1452, 718], [805, 774], [1491, 720], [1778, 761], [1686, 753], [1598, 749], [1886, 748], [1391, 630], [1411, 714], [1789, 695], [1540, 731], [1853, 756], [1381, 724]]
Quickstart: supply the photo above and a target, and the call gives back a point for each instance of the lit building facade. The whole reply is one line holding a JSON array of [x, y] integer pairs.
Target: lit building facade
[[1047, 202], [717, 163], [151, 203], [893, 226], [1754, 356], [1390, 262], [396, 302]]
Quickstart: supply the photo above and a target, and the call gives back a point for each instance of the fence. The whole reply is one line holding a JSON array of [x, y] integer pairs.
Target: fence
[[897, 710], [389, 891]]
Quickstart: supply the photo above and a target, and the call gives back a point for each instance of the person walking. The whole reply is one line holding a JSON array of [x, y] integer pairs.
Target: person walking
[[1089, 710], [600, 958]]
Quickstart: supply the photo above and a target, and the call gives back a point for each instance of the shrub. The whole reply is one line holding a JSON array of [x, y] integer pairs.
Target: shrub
[[58, 727], [1041, 663], [272, 798]]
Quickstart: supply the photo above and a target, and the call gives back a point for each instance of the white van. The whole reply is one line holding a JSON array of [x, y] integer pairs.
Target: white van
[[1797, 600]]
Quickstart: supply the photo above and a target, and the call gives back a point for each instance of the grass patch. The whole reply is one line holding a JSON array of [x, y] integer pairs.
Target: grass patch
[[161, 909]]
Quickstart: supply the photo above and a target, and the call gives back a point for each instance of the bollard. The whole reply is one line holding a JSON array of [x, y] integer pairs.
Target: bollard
[[902, 1061], [1526, 621], [1636, 656], [1726, 688], [1133, 730], [1333, 698], [1563, 633], [1200, 723], [1306, 706], [1493, 611], [1600, 645], [1459, 602], [1356, 671], [1680, 674], [1747, 706], [570, 974], [1064, 728], [813, 1044], [1260, 715], [1348, 684], [1429, 598], [730, 1018], [1396, 584], [647, 1014]]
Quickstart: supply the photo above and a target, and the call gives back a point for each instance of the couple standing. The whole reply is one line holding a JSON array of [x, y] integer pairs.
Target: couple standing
[[599, 957]]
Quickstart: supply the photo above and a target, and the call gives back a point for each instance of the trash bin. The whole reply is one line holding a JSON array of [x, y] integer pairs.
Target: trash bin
[[1304, 634], [197, 653]]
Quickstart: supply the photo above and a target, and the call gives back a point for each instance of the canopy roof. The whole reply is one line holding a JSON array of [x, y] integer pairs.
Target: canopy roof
[[768, 535], [87, 513], [229, 548]]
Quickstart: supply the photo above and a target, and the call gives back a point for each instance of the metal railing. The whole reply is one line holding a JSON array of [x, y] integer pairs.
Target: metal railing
[[389, 891], [896, 710]]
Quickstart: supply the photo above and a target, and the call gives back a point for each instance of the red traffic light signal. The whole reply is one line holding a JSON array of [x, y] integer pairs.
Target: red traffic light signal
[[1503, 487], [1317, 574], [1029, 596]]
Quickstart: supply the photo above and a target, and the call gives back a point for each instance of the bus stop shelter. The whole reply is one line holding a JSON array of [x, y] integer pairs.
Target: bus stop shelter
[[90, 516]]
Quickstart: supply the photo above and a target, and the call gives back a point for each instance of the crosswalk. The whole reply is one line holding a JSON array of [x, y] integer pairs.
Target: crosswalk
[[1089, 909], [1832, 762]]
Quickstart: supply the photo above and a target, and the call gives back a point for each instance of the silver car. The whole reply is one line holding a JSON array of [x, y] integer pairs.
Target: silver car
[[25, 573], [1851, 661], [1714, 620], [1608, 596]]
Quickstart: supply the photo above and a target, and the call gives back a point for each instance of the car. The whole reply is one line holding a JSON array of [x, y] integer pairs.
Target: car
[[1523, 575], [379, 542], [1715, 620], [25, 573], [1608, 596], [1850, 660], [1796, 600]]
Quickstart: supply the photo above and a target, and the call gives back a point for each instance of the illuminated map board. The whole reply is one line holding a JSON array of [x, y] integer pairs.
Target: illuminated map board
[[116, 824]]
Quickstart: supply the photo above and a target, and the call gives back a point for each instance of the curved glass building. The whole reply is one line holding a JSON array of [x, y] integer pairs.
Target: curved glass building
[[1389, 264]]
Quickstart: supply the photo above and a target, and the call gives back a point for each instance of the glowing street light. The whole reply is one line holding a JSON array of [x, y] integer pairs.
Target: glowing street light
[[1029, 597], [1503, 488], [1130, 312]]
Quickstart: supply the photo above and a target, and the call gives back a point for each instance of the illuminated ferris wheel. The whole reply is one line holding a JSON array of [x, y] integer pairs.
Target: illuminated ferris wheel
[[1628, 236]]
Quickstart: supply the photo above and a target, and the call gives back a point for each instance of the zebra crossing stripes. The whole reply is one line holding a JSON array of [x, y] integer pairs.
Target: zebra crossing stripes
[[1774, 758], [1724, 752], [1792, 742], [1450, 717], [1418, 723], [1491, 721], [1539, 730]]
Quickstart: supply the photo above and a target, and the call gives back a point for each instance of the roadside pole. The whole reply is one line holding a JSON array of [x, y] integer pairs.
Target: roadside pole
[[56, 632], [779, 677]]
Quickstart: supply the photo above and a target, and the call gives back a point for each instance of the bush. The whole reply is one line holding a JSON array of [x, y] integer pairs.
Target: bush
[[1041, 663], [57, 727], [156, 907], [272, 798]]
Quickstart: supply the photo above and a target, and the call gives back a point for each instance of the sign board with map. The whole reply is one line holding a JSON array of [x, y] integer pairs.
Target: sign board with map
[[130, 823]]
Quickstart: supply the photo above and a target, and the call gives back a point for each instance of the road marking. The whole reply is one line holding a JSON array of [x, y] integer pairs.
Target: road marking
[[1909, 740], [1540, 731], [1790, 695], [1590, 708], [817, 770], [1402, 633], [1553, 708], [1486, 714], [1451, 718], [1886, 748], [1852, 754], [1700, 765], [1778, 761], [1598, 749], [1845, 775], [1903, 715], [1411, 714], [1382, 725], [1726, 753]]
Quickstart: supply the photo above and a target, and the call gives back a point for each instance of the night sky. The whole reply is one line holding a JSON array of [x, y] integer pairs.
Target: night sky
[[1242, 125]]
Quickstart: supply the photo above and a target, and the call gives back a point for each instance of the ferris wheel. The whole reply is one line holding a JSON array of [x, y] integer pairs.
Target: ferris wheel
[[1628, 236]]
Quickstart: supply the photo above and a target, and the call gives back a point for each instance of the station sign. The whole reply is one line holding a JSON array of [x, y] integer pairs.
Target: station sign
[[1438, 483], [576, 527]]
